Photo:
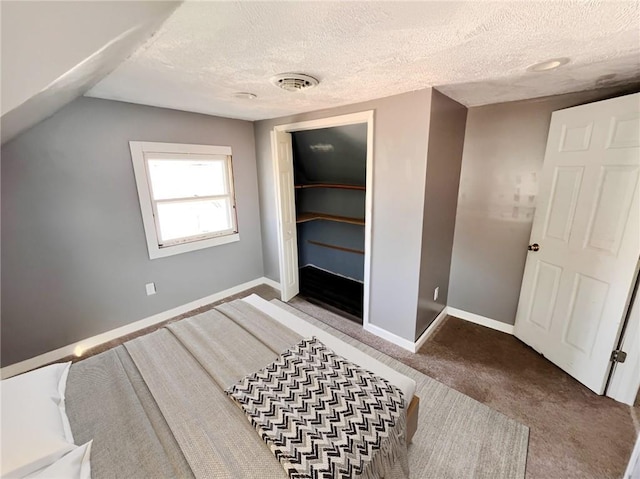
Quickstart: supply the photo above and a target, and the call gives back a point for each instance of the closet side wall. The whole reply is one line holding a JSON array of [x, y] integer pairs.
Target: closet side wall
[[444, 159]]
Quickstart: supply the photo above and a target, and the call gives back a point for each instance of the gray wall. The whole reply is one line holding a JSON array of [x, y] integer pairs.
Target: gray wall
[[399, 171], [74, 256], [503, 154], [444, 158]]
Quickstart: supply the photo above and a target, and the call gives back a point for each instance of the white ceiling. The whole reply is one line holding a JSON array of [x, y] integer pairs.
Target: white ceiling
[[476, 52]]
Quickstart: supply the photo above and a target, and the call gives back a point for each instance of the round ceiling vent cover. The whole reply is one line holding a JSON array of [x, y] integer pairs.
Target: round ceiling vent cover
[[294, 81]]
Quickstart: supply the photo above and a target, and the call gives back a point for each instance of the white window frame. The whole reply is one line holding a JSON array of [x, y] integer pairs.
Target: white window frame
[[139, 149]]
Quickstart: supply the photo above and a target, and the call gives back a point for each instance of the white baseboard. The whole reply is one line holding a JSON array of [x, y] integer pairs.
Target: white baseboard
[[79, 347], [392, 338], [447, 311], [429, 331], [270, 282], [481, 320]]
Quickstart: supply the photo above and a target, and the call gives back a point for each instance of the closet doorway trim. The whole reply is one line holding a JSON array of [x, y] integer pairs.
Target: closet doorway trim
[[349, 119]]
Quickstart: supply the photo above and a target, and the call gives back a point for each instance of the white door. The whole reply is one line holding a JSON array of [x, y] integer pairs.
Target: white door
[[286, 208], [576, 286]]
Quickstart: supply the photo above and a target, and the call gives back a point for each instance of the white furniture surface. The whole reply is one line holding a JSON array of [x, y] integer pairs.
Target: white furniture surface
[[346, 350]]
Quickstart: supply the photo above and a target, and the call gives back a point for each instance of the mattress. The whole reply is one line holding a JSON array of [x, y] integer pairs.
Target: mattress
[[353, 354]]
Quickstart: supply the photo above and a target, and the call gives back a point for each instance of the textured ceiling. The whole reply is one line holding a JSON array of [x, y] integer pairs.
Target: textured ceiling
[[476, 52]]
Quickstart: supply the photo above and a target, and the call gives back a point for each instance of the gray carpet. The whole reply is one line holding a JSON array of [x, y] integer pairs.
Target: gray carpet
[[457, 436]]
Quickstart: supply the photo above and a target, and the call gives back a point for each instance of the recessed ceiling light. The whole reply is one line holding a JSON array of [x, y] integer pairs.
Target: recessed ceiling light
[[245, 95], [548, 65], [294, 81]]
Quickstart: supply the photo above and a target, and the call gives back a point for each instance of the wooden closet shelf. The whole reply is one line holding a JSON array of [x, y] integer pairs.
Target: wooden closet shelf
[[333, 246], [331, 185], [310, 216]]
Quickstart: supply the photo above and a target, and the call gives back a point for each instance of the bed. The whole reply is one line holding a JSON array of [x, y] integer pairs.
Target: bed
[[156, 406]]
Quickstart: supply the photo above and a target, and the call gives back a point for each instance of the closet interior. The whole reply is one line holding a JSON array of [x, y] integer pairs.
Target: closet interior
[[330, 166]]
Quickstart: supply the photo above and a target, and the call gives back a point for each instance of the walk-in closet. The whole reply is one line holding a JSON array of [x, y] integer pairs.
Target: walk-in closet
[[330, 166]]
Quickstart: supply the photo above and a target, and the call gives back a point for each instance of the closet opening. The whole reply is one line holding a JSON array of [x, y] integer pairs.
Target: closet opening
[[330, 166], [323, 185]]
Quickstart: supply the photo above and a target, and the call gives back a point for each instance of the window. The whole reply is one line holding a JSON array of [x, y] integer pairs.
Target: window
[[186, 196]]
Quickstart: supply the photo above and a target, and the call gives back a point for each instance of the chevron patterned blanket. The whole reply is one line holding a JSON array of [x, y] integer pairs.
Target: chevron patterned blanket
[[324, 417]]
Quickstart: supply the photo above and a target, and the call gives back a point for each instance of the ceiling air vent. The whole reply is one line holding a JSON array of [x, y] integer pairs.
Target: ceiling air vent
[[294, 81]]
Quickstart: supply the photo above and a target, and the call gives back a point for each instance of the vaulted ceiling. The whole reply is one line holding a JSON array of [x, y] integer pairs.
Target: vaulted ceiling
[[53, 52], [476, 52]]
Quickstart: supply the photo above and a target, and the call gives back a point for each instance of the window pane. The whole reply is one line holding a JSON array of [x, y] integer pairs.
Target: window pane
[[192, 218], [187, 178]]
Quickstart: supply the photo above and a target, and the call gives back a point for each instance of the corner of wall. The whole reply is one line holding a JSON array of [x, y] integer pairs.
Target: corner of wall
[[447, 124]]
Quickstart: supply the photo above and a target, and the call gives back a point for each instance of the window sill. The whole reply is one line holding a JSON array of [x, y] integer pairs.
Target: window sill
[[156, 252]]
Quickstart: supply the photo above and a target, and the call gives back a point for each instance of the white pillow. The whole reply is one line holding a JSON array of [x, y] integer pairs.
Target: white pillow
[[35, 428], [75, 465]]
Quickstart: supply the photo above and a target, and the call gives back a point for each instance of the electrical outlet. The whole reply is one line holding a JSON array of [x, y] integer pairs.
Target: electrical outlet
[[436, 292], [151, 288]]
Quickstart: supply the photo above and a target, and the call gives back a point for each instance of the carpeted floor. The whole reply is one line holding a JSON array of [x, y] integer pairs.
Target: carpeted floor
[[574, 433], [457, 437]]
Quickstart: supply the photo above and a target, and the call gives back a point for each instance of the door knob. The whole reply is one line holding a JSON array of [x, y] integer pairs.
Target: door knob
[[534, 247]]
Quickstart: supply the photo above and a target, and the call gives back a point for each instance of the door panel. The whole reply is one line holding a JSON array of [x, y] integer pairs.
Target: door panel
[[587, 222], [576, 137], [565, 191], [624, 132], [545, 291], [283, 152], [585, 313], [611, 207]]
